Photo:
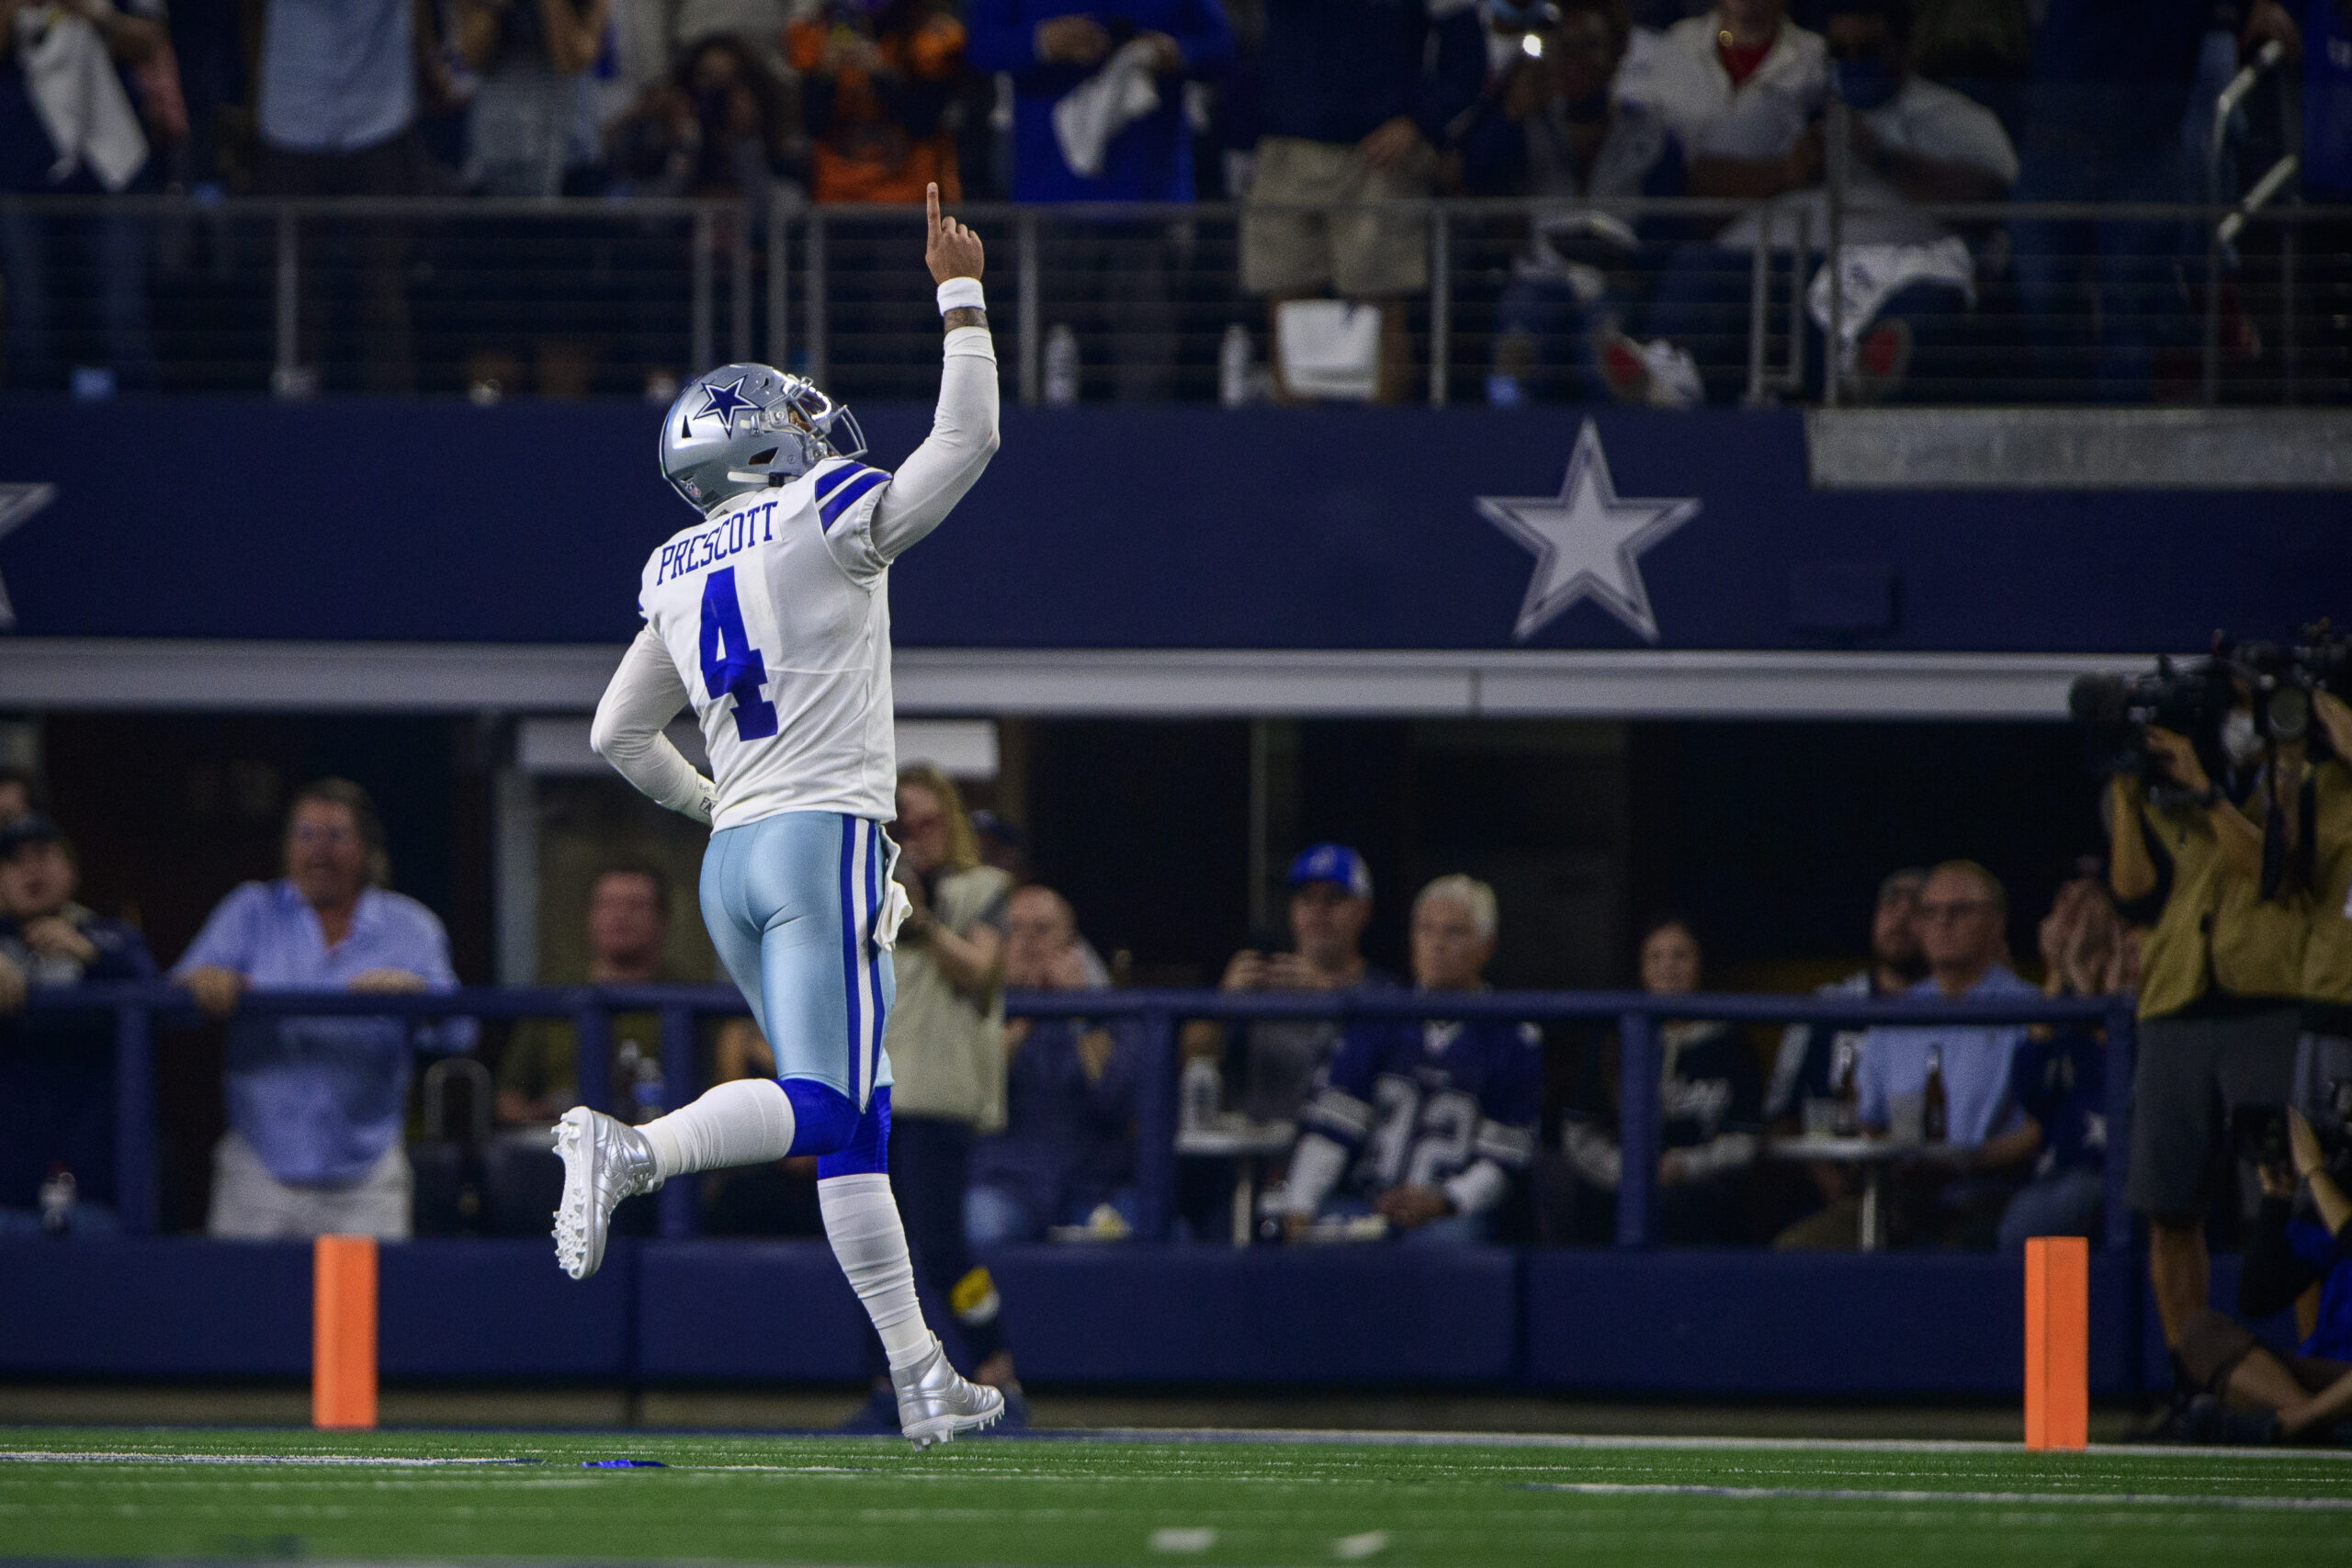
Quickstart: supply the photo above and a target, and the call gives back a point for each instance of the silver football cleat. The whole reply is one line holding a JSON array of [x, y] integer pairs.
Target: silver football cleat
[[935, 1403], [604, 1161]]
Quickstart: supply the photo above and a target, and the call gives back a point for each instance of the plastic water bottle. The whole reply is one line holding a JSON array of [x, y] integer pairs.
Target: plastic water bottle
[[1061, 366], [58, 1195], [1203, 1093], [1233, 366]]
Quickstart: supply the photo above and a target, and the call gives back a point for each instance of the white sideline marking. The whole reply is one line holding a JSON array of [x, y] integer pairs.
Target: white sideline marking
[[1356, 1548], [1849, 1494], [1197, 1538], [1305, 1434], [30, 1456]]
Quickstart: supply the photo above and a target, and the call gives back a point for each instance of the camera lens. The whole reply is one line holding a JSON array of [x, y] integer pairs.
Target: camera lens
[[2288, 713]]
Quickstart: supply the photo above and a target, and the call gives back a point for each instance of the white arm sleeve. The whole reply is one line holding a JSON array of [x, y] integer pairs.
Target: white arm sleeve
[[644, 696], [962, 437], [1316, 1166]]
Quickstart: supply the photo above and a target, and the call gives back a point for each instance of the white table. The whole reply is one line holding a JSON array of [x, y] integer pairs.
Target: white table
[[1246, 1144], [1871, 1157]]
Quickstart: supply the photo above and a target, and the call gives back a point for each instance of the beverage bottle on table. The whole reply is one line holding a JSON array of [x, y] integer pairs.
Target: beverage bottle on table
[[1845, 1055], [1935, 1108]]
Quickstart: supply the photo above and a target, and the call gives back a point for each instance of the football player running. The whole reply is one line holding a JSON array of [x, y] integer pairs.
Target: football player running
[[771, 616]]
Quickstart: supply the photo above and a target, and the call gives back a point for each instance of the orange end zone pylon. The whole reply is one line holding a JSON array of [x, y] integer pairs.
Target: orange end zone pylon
[[2057, 1342], [343, 1332]]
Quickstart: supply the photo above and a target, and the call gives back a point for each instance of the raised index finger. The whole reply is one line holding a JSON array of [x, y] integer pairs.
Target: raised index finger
[[931, 208]]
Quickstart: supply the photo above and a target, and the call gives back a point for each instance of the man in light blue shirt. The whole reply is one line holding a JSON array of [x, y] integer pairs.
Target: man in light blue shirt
[[316, 1104], [1953, 1197]]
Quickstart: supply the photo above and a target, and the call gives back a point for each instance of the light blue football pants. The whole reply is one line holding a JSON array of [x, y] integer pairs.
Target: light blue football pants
[[790, 901]]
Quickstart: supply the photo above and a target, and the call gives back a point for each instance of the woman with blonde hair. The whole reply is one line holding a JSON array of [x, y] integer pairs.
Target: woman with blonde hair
[[945, 1041]]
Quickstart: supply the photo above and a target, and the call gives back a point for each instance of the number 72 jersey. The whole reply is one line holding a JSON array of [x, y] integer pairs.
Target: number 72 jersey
[[775, 609]]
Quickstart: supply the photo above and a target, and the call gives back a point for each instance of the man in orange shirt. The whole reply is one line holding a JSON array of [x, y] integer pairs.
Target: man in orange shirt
[[876, 78]]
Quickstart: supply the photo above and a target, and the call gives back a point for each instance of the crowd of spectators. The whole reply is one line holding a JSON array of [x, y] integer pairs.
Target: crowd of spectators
[[1288, 105]]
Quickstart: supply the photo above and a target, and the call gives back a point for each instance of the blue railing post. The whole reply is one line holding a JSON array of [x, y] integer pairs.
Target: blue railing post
[[2120, 1039], [134, 1119], [595, 1029], [1156, 1129], [1637, 1131], [677, 1088]]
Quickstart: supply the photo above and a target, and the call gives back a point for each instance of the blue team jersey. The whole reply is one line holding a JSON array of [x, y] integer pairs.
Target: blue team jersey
[[1421, 1102]]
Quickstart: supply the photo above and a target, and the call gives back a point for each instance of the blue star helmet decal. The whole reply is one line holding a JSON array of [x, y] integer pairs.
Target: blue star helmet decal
[[723, 401]]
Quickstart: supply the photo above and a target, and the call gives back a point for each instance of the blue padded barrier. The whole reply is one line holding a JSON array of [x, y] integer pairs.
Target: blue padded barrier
[[148, 1306], [1710, 1323], [776, 1310], [1136, 1313], [501, 1309]]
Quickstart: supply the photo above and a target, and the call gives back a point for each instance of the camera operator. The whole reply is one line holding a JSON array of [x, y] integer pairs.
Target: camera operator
[[2222, 973], [2323, 817], [2289, 1256]]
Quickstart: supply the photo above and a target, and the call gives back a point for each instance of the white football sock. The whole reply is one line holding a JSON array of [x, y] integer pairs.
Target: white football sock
[[746, 1121], [862, 1222]]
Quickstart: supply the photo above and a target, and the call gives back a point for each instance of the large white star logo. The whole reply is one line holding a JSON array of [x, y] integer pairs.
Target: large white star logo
[[1587, 541], [18, 504]]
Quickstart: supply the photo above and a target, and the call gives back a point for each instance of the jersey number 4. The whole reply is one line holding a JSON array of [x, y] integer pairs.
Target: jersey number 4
[[730, 665]]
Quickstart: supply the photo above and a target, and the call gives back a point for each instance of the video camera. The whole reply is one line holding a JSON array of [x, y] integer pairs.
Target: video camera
[[2192, 699], [2116, 711], [2284, 676]]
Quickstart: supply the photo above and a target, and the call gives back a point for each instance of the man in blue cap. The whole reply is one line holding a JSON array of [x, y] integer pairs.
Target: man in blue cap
[[1330, 901]]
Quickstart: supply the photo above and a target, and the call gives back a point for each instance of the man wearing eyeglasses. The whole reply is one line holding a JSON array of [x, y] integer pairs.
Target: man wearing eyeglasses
[[315, 1104], [1954, 1194]]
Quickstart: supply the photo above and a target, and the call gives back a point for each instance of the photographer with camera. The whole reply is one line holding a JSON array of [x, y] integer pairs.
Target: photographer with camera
[[2246, 1392], [2222, 969]]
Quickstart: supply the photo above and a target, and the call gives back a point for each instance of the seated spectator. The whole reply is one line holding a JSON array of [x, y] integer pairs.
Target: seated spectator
[[1067, 1153], [1907, 277], [20, 796], [1352, 102], [1956, 1195], [1739, 88], [70, 102], [1550, 127], [876, 81], [628, 933], [1711, 1096], [1423, 1123], [56, 1069], [2292, 1252], [1098, 115], [1330, 902], [315, 1104], [2059, 1075], [1812, 1088]]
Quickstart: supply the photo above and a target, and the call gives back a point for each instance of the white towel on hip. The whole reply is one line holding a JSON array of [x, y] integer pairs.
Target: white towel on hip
[[1874, 273], [79, 97], [1105, 104]]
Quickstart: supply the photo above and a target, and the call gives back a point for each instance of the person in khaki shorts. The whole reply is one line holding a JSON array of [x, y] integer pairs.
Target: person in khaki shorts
[[1354, 101], [2221, 975]]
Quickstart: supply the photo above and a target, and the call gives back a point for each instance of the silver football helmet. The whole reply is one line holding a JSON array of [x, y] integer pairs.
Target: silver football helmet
[[743, 426]]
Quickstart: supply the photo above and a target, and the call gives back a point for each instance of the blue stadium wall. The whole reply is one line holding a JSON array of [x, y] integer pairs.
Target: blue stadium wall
[[1143, 528], [1690, 1325]]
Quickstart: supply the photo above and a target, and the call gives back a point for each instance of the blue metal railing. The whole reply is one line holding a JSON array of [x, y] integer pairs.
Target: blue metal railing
[[136, 1007]]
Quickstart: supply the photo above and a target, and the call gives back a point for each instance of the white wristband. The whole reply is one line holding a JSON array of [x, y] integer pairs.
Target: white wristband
[[961, 293]]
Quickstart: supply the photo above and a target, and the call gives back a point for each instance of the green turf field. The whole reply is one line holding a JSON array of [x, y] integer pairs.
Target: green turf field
[[380, 1495]]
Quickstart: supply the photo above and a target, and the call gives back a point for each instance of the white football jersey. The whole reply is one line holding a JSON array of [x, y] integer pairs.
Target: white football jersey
[[775, 609]]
